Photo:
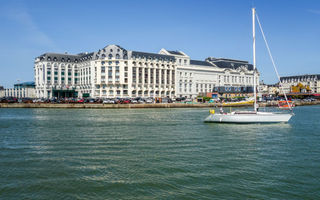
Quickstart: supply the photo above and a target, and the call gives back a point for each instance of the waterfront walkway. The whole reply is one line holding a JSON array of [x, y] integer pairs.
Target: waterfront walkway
[[157, 105]]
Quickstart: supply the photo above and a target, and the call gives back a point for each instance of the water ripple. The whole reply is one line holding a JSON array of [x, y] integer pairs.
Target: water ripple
[[155, 154]]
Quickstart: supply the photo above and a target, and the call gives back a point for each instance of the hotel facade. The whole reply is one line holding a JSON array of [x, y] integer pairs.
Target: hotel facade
[[116, 72], [311, 81]]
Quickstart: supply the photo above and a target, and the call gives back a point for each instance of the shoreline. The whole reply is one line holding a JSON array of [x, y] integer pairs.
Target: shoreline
[[136, 106]]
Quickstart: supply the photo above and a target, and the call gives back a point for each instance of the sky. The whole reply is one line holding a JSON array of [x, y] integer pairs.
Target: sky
[[200, 28]]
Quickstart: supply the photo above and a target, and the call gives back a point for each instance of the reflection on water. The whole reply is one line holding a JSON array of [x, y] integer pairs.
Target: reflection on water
[[155, 154]]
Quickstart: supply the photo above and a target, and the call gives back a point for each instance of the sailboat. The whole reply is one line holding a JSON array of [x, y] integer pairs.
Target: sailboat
[[253, 116]]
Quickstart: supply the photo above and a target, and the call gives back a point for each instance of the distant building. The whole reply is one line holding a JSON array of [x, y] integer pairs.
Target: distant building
[[268, 89], [21, 90], [116, 72], [1, 91], [309, 83]]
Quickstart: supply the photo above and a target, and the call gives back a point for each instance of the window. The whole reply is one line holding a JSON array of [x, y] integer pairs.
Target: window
[[110, 62], [110, 56], [117, 56]]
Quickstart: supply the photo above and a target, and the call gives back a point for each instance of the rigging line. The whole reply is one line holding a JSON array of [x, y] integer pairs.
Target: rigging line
[[273, 63]]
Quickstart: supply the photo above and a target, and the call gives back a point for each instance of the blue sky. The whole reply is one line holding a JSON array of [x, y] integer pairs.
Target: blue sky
[[197, 27]]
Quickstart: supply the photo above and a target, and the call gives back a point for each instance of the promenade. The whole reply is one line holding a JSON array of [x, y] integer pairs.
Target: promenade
[[123, 106]]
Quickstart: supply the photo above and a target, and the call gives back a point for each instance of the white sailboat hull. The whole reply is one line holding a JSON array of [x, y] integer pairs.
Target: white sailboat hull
[[253, 117]]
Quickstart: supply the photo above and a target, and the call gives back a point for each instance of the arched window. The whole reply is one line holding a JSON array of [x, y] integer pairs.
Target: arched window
[[110, 56], [125, 56], [117, 56], [103, 56]]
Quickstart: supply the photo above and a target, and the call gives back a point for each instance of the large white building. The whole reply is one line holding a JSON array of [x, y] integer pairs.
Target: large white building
[[116, 72]]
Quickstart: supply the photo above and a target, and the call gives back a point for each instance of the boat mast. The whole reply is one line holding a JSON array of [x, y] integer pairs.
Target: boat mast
[[254, 57]]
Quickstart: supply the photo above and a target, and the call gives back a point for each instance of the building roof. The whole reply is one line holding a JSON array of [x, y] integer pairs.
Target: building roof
[[29, 83], [59, 57], [152, 55], [229, 63], [176, 53], [301, 76], [200, 62]]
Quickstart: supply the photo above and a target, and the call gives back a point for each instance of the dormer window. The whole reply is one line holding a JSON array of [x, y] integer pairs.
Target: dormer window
[[54, 59], [111, 50], [110, 56], [49, 58], [103, 56], [117, 56]]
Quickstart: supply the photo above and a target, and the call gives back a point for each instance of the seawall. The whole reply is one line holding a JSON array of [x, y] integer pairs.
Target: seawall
[[124, 106]]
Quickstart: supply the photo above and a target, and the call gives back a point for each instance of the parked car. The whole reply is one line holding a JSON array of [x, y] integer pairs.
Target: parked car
[[80, 101], [125, 101], [141, 101], [134, 101], [149, 100], [180, 98], [27, 100], [166, 100]]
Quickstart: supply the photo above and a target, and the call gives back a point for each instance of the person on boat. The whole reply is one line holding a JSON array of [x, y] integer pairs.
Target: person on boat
[[221, 110], [257, 106]]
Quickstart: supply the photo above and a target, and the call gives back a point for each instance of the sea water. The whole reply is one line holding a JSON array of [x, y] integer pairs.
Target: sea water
[[156, 154]]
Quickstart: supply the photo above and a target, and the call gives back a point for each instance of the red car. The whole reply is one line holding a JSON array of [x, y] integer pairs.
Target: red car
[[125, 101], [80, 101]]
